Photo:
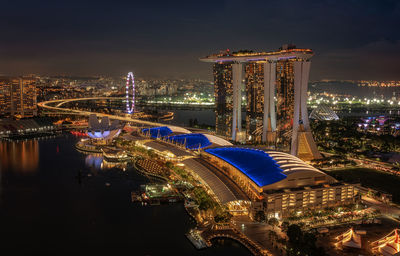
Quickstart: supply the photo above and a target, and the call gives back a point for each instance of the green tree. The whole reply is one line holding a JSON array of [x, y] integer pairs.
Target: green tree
[[223, 217], [169, 164], [259, 216], [302, 243], [273, 222], [151, 153]]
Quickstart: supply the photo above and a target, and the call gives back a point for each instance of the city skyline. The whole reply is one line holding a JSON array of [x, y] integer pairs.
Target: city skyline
[[351, 40], [225, 127]]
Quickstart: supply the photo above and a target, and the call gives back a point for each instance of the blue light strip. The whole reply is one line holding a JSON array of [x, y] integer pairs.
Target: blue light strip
[[267, 173], [156, 132], [193, 140]]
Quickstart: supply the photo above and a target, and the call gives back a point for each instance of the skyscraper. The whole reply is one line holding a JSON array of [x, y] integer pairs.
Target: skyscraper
[[18, 97], [284, 94], [276, 90], [254, 84], [5, 97], [223, 91]]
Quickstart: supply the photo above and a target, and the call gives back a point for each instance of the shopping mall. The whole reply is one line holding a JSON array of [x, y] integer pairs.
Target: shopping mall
[[275, 182]]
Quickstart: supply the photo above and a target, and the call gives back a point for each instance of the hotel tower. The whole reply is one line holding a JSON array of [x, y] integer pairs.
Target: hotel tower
[[274, 88], [18, 97]]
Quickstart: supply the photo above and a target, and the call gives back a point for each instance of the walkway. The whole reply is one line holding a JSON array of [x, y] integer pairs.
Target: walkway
[[228, 182], [219, 187], [234, 234], [259, 232]]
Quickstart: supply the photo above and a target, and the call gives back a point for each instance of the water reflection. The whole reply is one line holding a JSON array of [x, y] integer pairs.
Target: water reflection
[[96, 162], [20, 156]]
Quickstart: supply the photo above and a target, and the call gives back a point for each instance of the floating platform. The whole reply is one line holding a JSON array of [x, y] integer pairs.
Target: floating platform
[[142, 197], [196, 239]]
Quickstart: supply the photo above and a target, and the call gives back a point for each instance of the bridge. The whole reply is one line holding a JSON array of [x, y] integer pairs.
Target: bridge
[[233, 233], [56, 105]]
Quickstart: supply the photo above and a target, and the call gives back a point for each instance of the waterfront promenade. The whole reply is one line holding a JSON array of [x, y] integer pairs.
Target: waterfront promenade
[[223, 189]]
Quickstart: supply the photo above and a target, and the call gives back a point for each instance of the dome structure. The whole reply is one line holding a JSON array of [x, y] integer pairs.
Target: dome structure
[[104, 129], [323, 113], [269, 169], [254, 163]]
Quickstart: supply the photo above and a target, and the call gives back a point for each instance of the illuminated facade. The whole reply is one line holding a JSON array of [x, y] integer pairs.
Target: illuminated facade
[[276, 93], [18, 96], [279, 183], [284, 103], [103, 131], [5, 97], [254, 81], [223, 90], [281, 203]]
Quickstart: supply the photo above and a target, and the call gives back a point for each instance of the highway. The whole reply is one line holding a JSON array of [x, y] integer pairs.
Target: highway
[[58, 107], [389, 210], [367, 163]]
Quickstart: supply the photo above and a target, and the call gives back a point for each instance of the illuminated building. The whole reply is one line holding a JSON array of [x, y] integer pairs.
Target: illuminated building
[[323, 113], [18, 96], [25, 127], [104, 131], [387, 245], [223, 90], [350, 238], [285, 103], [279, 183], [276, 93], [254, 80], [4, 97]]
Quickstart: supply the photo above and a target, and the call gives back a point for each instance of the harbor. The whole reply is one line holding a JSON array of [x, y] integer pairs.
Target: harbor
[[84, 206]]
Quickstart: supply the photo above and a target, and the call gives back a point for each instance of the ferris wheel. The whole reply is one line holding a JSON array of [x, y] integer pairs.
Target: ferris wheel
[[130, 106]]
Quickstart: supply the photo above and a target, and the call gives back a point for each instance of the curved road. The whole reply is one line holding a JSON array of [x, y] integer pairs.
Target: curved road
[[58, 107]]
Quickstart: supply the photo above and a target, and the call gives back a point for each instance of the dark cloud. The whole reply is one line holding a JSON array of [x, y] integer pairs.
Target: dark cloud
[[352, 39]]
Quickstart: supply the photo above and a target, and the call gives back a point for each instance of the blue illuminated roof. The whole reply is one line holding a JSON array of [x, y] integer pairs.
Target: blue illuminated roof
[[255, 164], [158, 132], [192, 140]]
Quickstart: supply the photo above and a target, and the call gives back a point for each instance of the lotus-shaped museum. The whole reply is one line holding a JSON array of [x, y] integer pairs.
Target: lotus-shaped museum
[[103, 130]]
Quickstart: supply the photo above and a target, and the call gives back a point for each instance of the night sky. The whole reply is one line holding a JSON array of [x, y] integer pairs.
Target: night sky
[[351, 39]]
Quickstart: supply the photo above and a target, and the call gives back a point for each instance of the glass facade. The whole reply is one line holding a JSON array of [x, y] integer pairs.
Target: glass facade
[[281, 96], [223, 91], [18, 97], [284, 103], [254, 84], [5, 97]]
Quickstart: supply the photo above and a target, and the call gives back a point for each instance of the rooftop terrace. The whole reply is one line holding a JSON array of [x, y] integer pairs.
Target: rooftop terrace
[[244, 56]]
